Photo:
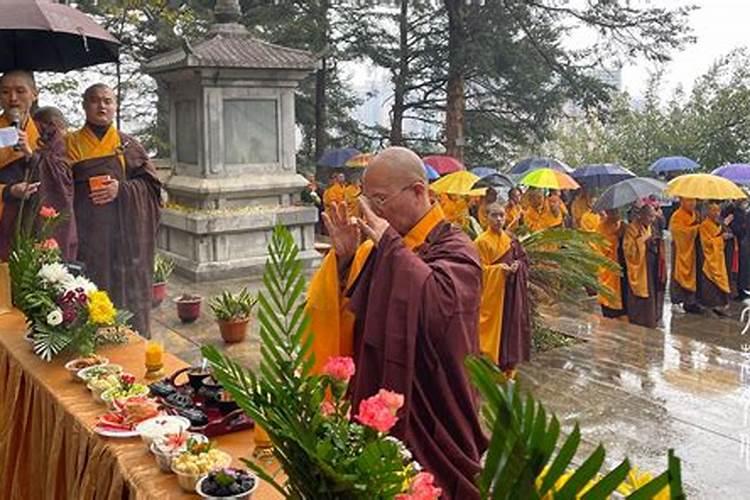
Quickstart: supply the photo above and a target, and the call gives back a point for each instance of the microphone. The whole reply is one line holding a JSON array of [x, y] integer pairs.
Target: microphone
[[15, 121]]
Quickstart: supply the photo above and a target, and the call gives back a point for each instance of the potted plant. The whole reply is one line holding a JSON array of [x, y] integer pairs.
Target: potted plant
[[232, 312], [163, 268], [228, 483], [188, 307]]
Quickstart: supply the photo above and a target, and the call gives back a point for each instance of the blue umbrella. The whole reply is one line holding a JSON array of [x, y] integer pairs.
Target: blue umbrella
[[739, 173], [336, 158], [483, 171], [432, 174], [601, 175], [673, 164], [533, 163]]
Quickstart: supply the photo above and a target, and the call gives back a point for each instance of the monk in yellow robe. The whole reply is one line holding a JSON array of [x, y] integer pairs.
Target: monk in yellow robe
[[684, 226], [513, 210], [504, 321], [117, 206], [335, 192], [714, 278], [455, 208], [489, 198], [351, 193], [544, 214], [18, 93], [563, 207], [589, 221], [581, 205], [642, 269], [612, 228], [411, 298]]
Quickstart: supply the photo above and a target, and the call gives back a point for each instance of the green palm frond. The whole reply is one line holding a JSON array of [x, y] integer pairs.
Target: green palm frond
[[522, 461]]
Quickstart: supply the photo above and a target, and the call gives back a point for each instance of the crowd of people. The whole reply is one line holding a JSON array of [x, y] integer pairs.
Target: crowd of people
[[97, 178]]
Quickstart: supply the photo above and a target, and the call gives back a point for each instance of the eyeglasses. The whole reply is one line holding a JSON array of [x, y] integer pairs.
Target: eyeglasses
[[381, 201]]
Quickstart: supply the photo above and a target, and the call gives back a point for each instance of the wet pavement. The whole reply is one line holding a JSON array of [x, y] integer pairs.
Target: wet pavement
[[638, 391]]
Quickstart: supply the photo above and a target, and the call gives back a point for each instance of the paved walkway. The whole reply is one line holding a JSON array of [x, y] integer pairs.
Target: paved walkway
[[638, 391]]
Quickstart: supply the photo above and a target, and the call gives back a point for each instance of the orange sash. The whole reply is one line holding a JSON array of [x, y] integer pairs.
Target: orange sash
[[84, 145]]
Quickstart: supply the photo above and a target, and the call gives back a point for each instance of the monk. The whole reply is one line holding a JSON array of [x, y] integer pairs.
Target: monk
[[488, 199], [641, 268], [117, 201], [50, 168], [504, 321], [352, 191], [581, 204], [714, 278], [410, 301], [683, 226], [612, 228], [335, 192], [544, 214], [513, 210], [556, 193], [589, 220], [18, 93], [456, 209]]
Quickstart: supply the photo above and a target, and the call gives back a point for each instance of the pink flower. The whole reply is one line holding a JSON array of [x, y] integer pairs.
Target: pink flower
[[422, 487], [49, 244], [48, 212], [392, 400], [379, 411], [327, 409], [339, 368]]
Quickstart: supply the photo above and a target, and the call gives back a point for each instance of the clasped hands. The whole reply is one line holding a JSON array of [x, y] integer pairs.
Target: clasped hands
[[512, 268], [345, 232]]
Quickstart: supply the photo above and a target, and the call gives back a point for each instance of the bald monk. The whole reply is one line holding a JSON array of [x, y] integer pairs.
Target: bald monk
[[504, 324], [642, 269], [544, 214], [352, 191], [335, 192], [683, 226], [612, 228], [410, 300], [513, 210], [714, 278], [581, 205], [456, 209], [18, 93], [488, 199], [117, 201], [589, 220]]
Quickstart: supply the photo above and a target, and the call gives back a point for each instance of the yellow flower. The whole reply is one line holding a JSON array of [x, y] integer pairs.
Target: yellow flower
[[101, 309], [636, 479]]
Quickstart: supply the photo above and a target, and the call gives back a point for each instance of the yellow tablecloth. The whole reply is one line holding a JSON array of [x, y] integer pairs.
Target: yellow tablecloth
[[48, 449]]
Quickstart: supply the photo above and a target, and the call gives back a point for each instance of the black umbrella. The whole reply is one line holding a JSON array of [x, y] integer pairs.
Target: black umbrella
[[495, 180], [628, 191], [601, 175], [38, 35]]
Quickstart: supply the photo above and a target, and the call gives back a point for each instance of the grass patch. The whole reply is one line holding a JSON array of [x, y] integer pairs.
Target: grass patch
[[544, 339]]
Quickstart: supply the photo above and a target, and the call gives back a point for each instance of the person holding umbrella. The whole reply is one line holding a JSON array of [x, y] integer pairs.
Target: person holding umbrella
[[117, 202], [18, 93]]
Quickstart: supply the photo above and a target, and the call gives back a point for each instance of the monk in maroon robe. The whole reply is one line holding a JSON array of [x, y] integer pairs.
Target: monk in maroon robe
[[117, 201], [415, 303]]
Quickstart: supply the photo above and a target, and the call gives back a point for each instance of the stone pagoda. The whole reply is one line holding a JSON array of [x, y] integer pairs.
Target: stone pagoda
[[232, 137]]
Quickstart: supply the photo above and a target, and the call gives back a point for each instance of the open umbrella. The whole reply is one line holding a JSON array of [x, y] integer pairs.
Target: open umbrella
[[547, 178], [628, 191], [39, 35], [359, 161], [459, 183], [335, 158], [738, 173], [673, 164], [704, 187], [601, 175], [432, 174], [495, 181], [444, 164], [483, 171], [533, 163]]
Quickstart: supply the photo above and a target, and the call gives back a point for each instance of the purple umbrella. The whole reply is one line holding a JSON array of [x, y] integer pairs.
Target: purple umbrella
[[739, 173], [336, 158]]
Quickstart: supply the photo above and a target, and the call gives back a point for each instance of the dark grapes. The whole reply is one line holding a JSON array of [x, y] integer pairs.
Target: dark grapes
[[216, 483]]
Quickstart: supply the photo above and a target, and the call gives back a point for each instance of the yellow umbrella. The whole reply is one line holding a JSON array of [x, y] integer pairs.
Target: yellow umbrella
[[359, 161], [459, 183], [704, 187]]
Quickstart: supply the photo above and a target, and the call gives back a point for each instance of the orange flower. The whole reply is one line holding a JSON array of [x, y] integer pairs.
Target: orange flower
[[48, 212]]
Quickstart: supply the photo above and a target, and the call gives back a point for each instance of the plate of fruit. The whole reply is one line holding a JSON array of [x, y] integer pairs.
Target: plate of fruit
[[228, 483], [97, 371], [125, 388], [127, 414], [78, 364], [198, 459]]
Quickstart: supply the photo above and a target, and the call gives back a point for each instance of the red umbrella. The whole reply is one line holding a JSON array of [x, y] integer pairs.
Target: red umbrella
[[444, 164]]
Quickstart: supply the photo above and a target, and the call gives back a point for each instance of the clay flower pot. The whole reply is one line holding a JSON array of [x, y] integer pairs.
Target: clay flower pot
[[158, 293], [189, 307], [233, 331]]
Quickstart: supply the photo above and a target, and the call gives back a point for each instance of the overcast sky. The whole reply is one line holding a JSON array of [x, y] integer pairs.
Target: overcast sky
[[719, 25]]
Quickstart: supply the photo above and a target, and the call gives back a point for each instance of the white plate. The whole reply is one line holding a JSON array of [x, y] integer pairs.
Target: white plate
[[182, 422], [115, 434]]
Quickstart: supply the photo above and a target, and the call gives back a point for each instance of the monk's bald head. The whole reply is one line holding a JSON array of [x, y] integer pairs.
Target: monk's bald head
[[395, 184], [99, 104], [26, 76]]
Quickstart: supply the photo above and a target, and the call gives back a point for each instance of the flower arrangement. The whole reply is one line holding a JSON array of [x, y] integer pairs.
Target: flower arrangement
[[63, 311], [327, 449]]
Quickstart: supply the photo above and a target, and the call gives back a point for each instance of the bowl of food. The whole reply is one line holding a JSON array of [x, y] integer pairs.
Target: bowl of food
[[126, 388], [98, 386], [168, 446], [158, 427], [96, 371], [196, 461], [78, 364], [227, 484]]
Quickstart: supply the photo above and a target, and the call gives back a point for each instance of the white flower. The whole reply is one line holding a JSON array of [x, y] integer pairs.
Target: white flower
[[74, 283], [55, 317], [54, 273]]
